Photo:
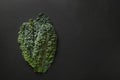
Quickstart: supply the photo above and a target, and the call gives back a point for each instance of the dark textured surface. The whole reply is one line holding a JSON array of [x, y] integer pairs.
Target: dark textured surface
[[89, 43]]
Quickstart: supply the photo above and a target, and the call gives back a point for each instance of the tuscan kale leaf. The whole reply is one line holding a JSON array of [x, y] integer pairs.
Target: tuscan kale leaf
[[38, 40]]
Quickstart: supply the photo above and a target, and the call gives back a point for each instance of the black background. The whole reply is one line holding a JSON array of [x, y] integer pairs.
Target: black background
[[89, 43]]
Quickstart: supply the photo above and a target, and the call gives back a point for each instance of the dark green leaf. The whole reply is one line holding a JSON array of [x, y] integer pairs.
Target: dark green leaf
[[37, 40]]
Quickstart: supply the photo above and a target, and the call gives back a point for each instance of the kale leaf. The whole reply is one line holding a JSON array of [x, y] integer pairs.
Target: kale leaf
[[38, 40]]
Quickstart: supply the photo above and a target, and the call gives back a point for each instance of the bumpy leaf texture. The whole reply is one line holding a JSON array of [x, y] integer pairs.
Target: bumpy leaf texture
[[38, 40]]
